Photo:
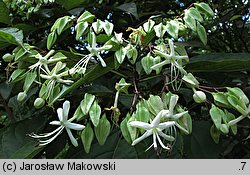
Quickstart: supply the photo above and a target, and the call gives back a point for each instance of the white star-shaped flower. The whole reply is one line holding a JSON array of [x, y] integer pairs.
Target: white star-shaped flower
[[155, 128], [63, 123]]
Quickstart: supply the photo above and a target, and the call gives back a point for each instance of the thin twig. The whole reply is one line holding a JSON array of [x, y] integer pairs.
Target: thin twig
[[8, 110]]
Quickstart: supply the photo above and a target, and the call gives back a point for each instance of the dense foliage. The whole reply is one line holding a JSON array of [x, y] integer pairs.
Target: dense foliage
[[124, 79]]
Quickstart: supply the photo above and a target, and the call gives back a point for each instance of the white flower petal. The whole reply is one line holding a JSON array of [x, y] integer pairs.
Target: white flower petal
[[145, 135], [173, 102], [179, 115], [166, 137], [165, 125], [162, 145], [60, 114], [141, 125], [171, 46], [72, 138], [66, 107], [181, 128], [74, 126], [157, 119], [55, 123]]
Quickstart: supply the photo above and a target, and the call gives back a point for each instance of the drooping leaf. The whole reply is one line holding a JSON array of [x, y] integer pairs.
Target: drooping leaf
[[29, 79], [87, 137], [216, 115], [4, 14], [124, 129], [51, 40], [204, 8], [95, 113], [220, 99], [120, 54], [195, 14], [173, 28], [190, 21], [215, 133], [202, 33], [86, 17], [102, 130], [130, 8], [87, 102], [11, 36]]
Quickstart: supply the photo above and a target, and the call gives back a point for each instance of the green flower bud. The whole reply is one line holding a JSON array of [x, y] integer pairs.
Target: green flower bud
[[199, 97], [8, 57], [39, 102], [21, 96]]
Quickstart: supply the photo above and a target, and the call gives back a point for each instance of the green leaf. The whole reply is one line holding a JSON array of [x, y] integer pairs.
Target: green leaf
[[130, 8], [230, 117], [219, 62], [122, 86], [190, 80], [125, 130], [160, 30], [51, 40], [216, 115], [237, 104], [73, 3], [215, 133], [147, 62], [102, 130], [189, 21], [5, 90], [95, 113], [17, 75], [185, 121], [62, 24], [142, 113], [108, 27], [132, 54], [86, 17], [4, 13], [87, 102], [16, 144], [155, 104], [120, 54], [12, 36], [200, 144], [29, 79], [220, 99], [202, 33], [148, 26], [173, 28], [132, 130], [195, 14], [237, 92], [97, 26], [87, 137], [204, 8]]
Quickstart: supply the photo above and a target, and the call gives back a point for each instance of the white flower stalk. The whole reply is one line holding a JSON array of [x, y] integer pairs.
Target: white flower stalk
[[63, 123], [175, 62], [155, 128], [44, 61]]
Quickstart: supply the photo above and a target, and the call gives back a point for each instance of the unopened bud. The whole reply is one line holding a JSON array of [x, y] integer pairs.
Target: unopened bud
[[199, 97], [8, 57], [39, 102], [21, 96]]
